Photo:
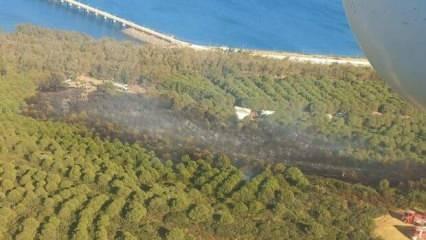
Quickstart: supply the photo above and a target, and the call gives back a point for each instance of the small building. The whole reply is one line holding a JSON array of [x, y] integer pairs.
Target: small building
[[377, 114], [341, 114], [121, 86], [267, 113], [242, 113], [68, 81]]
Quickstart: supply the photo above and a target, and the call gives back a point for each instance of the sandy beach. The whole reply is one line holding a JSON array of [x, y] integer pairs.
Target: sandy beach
[[156, 39]]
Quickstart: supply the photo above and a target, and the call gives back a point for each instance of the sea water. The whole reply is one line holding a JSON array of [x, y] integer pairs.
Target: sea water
[[304, 26]]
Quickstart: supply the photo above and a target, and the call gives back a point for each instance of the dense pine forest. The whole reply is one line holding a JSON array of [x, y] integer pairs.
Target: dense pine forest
[[84, 174], [370, 122]]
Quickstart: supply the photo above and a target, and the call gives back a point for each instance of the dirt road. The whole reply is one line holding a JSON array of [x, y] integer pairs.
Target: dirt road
[[391, 228]]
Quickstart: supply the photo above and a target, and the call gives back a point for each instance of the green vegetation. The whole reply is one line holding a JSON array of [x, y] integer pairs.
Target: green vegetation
[[63, 181], [369, 122]]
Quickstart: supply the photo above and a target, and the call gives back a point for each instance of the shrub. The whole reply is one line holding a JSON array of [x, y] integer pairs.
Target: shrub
[[28, 229], [180, 203], [7, 184], [175, 234], [15, 195], [50, 229], [296, 177], [125, 236], [7, 215], [224, 217], [200, 213], [134, 212]]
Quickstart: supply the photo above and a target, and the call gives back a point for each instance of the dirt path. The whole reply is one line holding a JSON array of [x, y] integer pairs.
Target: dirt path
[[391, 228]]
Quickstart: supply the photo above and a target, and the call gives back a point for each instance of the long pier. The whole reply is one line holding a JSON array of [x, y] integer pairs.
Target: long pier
[[148, 35], [124, 23]]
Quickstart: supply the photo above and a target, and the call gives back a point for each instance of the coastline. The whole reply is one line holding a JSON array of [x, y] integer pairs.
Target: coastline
[[147, 35], [156, 38], [312, 58]]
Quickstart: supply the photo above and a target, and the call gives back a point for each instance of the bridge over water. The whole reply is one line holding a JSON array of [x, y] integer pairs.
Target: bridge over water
[[124, 22]]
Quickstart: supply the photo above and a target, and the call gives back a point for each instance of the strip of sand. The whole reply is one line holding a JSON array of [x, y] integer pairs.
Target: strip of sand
[[304, 58], [314, 59]]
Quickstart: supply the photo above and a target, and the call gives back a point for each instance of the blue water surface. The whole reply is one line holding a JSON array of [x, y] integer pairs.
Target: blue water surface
[[305, 26]]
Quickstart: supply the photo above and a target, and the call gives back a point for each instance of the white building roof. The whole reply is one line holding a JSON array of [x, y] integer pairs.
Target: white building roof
[[242, 112], [267, 112]]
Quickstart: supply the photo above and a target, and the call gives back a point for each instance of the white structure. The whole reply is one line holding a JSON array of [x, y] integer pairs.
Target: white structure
[[267, 113], [242, 112], [121, 86]]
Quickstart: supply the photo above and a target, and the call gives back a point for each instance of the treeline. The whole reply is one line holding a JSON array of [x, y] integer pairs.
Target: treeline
[[345, 105], [59, 181]]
